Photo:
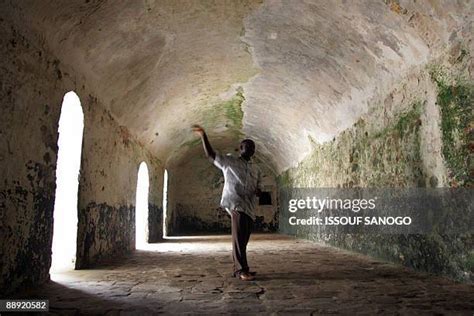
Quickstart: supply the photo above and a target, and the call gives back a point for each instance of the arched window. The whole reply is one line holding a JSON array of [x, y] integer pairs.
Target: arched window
[[71, 126], [141, 212]]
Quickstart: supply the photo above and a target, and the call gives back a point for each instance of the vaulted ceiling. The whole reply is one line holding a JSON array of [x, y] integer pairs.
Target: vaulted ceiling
[[285, 73]]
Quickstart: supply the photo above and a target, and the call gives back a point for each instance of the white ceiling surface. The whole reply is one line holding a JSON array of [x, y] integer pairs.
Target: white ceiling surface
[[307, 68]]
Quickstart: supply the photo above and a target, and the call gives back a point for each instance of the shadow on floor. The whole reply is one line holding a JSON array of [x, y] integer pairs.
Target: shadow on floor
[[66, 300]]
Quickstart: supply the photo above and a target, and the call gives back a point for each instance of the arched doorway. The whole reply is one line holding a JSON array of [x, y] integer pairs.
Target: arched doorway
[[71, 126], [141, 211]]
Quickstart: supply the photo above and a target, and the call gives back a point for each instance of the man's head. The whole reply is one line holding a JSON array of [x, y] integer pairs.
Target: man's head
[[247, 148]]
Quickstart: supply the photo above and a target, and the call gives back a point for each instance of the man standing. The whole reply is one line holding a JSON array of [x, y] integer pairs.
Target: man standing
[[239, 197]]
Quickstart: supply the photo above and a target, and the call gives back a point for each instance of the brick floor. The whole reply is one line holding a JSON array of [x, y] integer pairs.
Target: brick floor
[[193, 276]]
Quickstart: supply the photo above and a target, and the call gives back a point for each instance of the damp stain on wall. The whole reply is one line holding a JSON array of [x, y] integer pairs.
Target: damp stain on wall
[[104, 231]]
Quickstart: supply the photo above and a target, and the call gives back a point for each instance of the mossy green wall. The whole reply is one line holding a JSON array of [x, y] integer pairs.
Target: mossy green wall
[[455, 100], [420, 135], [389, 157]]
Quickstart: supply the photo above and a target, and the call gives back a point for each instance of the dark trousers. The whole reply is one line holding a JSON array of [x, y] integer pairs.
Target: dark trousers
[[241, 228]]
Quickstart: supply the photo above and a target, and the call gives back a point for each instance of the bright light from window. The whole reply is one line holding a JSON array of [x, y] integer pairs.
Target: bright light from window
[[141, 213], [71, 125], [165, 201]]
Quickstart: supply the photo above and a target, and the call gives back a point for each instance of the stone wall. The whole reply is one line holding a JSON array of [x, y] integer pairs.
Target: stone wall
[[420, 135], [109, 169], [195, 190], [33, 85], [30, 108]]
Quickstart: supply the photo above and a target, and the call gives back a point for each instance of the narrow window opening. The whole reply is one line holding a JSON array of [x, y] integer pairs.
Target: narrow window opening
[[165, 203], [71, 126], [141, 211]]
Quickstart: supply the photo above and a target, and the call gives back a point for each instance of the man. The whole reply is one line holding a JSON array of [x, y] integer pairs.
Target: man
[[239, 197]]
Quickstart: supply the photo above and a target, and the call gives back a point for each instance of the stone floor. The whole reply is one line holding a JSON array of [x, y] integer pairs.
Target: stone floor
[[192, 275]]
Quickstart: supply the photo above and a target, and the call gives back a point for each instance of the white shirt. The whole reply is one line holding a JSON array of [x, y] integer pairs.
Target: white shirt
[[241, 179]]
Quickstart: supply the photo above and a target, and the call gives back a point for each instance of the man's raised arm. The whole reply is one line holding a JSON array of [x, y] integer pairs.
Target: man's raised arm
[[210, 154]]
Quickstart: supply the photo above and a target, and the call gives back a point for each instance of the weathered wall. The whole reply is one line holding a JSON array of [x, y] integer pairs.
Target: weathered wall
[[155, 203], [30, 105], [33, 85], [107, 193], [420, 135], [194, 196]]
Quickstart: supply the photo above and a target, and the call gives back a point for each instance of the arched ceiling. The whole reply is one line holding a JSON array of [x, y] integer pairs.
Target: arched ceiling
[[284, 73]]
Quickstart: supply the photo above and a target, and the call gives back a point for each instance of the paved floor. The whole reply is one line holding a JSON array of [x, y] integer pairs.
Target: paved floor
[[193, 276]]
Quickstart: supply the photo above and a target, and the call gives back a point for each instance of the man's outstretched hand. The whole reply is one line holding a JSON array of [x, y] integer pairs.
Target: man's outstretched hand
[[207, 146], [198, 129]]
